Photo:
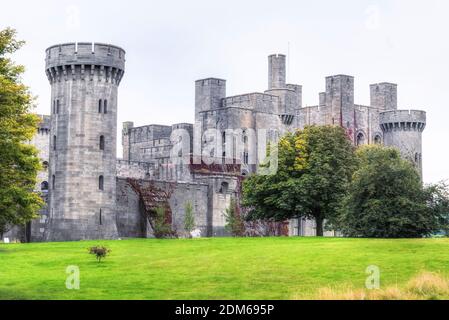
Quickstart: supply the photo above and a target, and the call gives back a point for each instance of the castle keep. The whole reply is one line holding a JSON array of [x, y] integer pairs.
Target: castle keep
[[92, 194]]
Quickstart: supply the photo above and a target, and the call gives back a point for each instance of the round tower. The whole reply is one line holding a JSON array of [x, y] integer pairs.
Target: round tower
[[403, 129], [84, 79]]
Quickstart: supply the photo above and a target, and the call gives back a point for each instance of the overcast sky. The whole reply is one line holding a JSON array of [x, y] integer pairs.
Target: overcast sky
[[170, 44]]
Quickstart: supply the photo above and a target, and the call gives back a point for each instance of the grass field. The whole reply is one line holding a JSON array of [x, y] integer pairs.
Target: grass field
[[217, 268]]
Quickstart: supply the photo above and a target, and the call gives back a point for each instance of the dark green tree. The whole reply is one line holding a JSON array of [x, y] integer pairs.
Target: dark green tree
[[189, 219], [314, 171], [387, 198], [234, 221], [19, 162]]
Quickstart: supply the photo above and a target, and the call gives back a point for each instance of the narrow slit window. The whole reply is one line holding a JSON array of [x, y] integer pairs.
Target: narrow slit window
[[54, 142], [57, 106], [101, 183], [100, 105], [53, 182], [101, 142], [105, 106]]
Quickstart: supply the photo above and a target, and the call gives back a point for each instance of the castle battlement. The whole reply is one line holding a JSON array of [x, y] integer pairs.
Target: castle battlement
[[85, 60], [399, 116], [248, 97]]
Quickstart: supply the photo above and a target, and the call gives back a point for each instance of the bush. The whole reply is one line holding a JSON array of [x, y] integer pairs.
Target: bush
[[234, 221], [189, 219], [100, 252], [162, 227]]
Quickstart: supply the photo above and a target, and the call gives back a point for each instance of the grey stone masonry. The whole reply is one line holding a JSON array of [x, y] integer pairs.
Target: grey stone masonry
[[403, 129], [84, 81]]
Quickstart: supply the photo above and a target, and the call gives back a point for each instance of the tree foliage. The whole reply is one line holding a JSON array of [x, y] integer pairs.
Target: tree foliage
[[387, 200], [314, 170], [234, 221], [19, 162], [189, 218]]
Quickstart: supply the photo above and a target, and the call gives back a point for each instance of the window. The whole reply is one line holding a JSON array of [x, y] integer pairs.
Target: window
[[101, 222], [100, 106], [44, 186], [101, 183], [101, 142], [224, 187], [105, 106], [53, 182], [54, 107], [245, 157], [57, 106], [377, 139], [54, 142], [360, 139], [223, 137], [45, 165]]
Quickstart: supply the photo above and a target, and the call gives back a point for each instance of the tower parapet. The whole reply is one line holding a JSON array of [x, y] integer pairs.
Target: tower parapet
[[403, 129], [84, 79], [85, 60]]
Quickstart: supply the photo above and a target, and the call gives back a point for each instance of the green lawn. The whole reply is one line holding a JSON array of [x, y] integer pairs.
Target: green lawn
[[217, 268]]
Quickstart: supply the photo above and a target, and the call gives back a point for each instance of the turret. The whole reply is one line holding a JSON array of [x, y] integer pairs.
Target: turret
[[403, 129], [384, 96], [208, 95], [126, 130], [84, 79], [276, 71]]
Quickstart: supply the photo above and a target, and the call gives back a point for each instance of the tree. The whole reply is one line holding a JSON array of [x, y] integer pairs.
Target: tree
[[234, 221], [387, 200], [162, 227], [19, 162], [437, 199], [314, 170], [189, 218]]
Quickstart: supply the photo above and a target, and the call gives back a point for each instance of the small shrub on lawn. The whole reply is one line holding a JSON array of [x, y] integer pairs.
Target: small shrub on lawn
[[100, 252]]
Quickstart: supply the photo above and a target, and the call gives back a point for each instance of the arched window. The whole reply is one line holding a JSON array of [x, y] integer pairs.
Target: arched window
[[100, 106], [224, 187], [377, 139], [101, 142], [53, 182], [45, 165], [54, 142], [44, 186], [101, 183], [360, 139], [105, 106], [245, 157]]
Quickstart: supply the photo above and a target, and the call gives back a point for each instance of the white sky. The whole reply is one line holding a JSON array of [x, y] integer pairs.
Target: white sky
[[170, 44]]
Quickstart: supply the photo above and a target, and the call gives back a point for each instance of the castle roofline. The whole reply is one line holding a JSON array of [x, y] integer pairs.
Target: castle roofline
[[210, 78], [339, 75], [93, 44]]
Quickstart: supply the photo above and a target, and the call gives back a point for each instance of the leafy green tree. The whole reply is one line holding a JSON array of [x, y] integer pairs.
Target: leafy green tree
[[189, 218], [162, 227], [234, 221], [387, 199], [19, 162], [437, 199], [314, 171]]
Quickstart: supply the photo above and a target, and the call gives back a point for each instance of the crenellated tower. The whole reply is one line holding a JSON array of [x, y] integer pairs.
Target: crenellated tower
[[403, 129], [84, 79]]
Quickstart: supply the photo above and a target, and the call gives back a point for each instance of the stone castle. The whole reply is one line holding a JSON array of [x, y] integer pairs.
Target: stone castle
[[91, 194]]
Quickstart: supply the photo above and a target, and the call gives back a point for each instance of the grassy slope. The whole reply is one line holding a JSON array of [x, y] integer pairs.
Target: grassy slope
[[218, 268]]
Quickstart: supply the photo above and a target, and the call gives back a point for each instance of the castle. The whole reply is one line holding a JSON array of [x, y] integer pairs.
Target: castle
[[90, 194]]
